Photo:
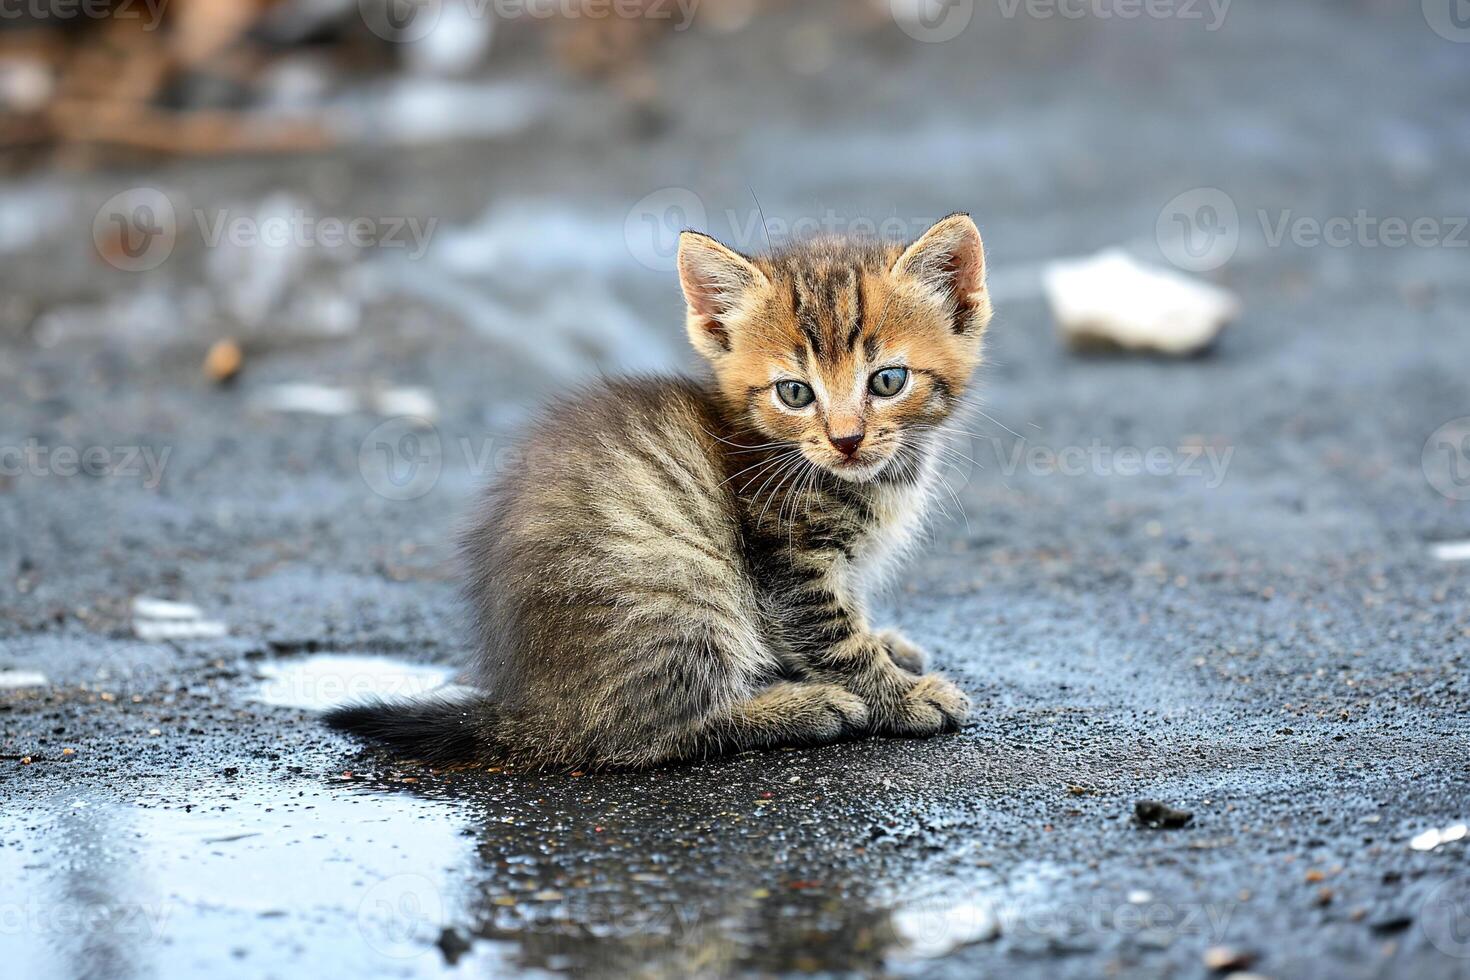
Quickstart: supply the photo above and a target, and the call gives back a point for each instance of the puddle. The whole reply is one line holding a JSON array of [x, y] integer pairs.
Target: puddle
[[323, 681], [927, 931], [949, 916], [278, 874], [291, 879], [264, 853]]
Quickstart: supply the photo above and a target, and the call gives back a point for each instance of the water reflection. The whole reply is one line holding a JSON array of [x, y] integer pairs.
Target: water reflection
[[285, 877], [667, 873]]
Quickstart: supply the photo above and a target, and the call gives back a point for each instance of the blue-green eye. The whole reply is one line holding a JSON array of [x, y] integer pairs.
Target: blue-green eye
[[888, 382], [795, 394]]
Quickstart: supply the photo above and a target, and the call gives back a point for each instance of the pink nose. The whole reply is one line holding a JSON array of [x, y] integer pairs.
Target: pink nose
[[847, 445]]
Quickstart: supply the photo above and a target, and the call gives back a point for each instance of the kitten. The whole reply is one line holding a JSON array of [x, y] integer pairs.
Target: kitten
[[679, 568]]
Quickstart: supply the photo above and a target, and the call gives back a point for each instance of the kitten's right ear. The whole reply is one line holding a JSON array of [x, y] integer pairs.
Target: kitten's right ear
[[717, 283]]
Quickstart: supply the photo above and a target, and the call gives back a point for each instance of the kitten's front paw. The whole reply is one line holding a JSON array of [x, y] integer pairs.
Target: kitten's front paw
[[903, 653], [933, 705], [834, 711]]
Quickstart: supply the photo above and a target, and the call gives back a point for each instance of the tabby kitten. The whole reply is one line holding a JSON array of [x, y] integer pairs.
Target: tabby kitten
[[679, 568]]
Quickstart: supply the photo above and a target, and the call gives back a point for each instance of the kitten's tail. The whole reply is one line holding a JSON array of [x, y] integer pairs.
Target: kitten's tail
[[440, 729]]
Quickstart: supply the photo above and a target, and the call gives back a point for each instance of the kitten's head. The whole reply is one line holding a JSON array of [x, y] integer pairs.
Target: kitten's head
[[849, 350]]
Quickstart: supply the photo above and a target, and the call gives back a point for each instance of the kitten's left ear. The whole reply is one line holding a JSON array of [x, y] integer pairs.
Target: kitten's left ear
[[717, 283], [949, 260]]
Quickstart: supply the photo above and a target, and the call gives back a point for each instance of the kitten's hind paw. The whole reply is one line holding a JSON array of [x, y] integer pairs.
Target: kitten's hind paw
[[904, 654], [933, 705]]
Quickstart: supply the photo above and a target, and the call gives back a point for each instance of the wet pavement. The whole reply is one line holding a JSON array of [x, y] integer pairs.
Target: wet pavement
[[1267, 626]]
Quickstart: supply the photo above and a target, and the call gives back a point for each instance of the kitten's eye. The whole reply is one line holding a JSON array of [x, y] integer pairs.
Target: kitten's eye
[[888, 382], [795, 394]]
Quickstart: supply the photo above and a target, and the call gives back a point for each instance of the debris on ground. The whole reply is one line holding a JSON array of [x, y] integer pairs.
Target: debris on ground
[[11, 680], [157, 620], [452, 945], [929, 932], [1450, 551], [315, 399], [1434, 837], [223, 362], [1112, 301], [307, 399], [393, 402], [1160, 816], [211, 78], [1222, 959]]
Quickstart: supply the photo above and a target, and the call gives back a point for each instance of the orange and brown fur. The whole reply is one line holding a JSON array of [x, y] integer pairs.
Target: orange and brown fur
[[679, 568]]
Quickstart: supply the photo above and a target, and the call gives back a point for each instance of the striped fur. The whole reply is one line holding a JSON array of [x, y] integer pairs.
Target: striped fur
[[679, 568]]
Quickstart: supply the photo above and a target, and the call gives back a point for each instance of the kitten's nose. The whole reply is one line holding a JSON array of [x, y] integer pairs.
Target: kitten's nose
[[847, 445]]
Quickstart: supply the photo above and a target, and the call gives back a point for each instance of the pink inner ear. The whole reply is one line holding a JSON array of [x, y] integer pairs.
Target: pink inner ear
[[965, 270], [705, 303], [717, 332], [966, 264], [702, 298]]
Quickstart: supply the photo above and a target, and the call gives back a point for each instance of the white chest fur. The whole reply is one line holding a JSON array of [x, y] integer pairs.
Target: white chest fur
[[898, 523]]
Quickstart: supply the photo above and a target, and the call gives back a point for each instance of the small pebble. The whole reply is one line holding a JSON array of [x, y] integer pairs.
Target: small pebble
[[1223, 958], [1160, 816], [223, 361], [13, 679], [452, 945]]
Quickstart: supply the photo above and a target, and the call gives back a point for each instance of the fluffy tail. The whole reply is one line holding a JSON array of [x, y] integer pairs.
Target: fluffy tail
[[441, 729]]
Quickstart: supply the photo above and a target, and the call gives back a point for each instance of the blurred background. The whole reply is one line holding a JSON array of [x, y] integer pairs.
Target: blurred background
[[280, 282], [447, 209]]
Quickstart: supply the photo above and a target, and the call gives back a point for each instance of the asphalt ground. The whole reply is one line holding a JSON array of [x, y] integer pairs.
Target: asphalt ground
[[1218, 582]]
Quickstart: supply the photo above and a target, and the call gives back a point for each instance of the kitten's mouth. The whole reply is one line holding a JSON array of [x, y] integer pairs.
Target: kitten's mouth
[[858, 468]]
